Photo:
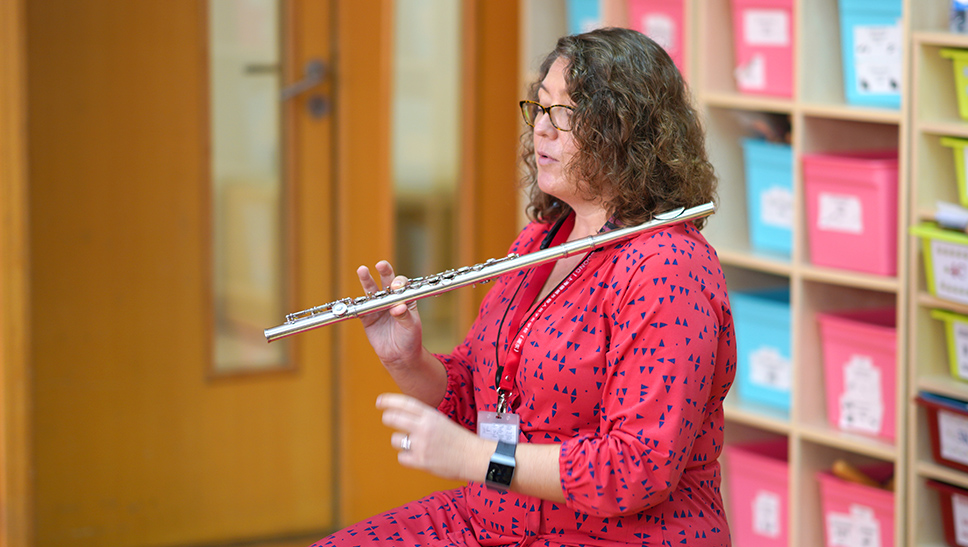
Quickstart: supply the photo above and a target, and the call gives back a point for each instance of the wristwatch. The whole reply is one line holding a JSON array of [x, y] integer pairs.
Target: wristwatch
[[501, 468]]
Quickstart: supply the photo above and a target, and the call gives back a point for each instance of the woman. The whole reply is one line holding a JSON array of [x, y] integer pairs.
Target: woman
[[614, 364]]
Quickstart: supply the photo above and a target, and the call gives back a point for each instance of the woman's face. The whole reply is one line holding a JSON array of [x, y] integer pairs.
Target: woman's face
[[554, 149]]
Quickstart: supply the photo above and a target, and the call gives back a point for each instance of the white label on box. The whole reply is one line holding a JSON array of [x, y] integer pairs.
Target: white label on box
[[776, 207], [960, 330], [859, 528], [840, 213], [770, 369], [662, 29], [877, 59], [766, 27], [950, 263], [861, 407], [953, 436], [766, 514], [959, 510], [964, 153], [752, 75], [839, 526], [865, 530]]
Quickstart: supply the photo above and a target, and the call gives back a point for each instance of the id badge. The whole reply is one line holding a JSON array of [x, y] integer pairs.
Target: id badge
[[492, 427]]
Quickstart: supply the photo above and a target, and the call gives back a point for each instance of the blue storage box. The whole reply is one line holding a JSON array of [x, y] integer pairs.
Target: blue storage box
[[872, 42], [583, 15], [769, 195], [764, 367]]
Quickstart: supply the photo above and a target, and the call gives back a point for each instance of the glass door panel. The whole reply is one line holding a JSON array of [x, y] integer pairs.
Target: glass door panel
[[426, 152], [247, 185]]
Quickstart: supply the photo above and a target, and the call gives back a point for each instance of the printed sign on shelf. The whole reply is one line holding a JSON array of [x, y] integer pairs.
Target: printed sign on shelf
[[961, 348], [877, 59], [776, 207], [953, 436], [861, 405], [950, 268], [959, 510], [770, 369], [766, 27], [840, 213], [766, 514]]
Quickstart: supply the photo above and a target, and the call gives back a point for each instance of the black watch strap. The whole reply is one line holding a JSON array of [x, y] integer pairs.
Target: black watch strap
[[500, 470], [506, 449]]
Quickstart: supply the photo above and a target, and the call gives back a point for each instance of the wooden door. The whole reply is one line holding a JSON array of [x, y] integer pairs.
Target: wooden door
[[114, 432], [133, 440]]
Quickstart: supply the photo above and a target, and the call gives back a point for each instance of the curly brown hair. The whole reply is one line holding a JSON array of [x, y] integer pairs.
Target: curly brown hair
[[639, 139]]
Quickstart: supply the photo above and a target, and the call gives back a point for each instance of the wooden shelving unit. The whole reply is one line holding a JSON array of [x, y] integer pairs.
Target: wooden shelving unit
[[822, 121], [934, 114]]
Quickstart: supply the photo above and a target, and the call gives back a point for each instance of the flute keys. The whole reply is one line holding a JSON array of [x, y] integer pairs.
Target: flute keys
[[340, 309]]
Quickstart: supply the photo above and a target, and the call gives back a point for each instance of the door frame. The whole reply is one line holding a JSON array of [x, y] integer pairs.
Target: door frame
[[369, 477], [15, 434]]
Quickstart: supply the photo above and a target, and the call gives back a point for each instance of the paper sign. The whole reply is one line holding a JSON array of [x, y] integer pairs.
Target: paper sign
[[859, 528], [840, 213], [838, 529], [950, 267], [770, 369], [766, 514], [866, 531], [752, 75], [662, 29], [861, 407], [961, 347], [877, 59], [766, 27], [959, 510], [776, 207], [953, 435]]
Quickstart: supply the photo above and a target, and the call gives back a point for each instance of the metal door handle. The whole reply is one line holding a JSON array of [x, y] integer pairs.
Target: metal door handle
[[313, 75]]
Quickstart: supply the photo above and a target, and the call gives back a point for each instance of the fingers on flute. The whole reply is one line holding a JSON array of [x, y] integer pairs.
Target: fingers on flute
[[386, 272], [366, 279]]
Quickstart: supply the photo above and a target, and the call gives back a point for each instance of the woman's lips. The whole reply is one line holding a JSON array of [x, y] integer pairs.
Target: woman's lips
[[544, 159]]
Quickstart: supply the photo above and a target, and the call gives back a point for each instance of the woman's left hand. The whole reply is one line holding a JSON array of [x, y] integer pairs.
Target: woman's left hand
[[428, 440]]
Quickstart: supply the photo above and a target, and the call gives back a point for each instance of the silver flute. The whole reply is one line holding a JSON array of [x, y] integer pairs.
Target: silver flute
[[433, 285]]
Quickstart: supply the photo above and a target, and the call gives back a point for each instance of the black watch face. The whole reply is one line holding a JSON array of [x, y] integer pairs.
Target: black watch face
[[500, 474]]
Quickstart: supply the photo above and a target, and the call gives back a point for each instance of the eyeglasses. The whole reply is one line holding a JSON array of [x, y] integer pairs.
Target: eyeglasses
[[560, 114]]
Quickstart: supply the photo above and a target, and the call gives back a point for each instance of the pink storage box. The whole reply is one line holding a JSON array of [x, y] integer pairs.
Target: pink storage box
[[763, 42], [852, 210], [662, 20], [758, 490], [859, 362], [854, 514]]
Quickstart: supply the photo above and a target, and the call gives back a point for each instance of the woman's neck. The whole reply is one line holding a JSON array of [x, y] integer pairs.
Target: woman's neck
[[588, 221]]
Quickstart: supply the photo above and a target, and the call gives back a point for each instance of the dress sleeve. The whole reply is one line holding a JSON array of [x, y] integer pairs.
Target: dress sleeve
[[661, 361], [459, 403]]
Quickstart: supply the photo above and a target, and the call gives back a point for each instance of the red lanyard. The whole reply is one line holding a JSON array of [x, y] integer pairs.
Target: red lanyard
[[513, 360]]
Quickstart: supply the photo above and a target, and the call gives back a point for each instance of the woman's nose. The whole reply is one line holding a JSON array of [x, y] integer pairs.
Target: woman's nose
[[543, 125]]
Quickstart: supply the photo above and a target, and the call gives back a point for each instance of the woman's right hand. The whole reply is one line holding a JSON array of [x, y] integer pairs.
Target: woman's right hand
[[395, 334]]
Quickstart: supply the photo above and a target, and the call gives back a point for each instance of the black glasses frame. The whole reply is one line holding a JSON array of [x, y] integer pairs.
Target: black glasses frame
[[546, 109]]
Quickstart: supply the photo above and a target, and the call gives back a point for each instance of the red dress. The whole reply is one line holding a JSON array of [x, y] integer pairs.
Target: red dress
[[627, 369]]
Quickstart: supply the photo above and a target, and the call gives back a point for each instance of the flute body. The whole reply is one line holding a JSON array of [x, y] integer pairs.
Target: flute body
[[422, 287]]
